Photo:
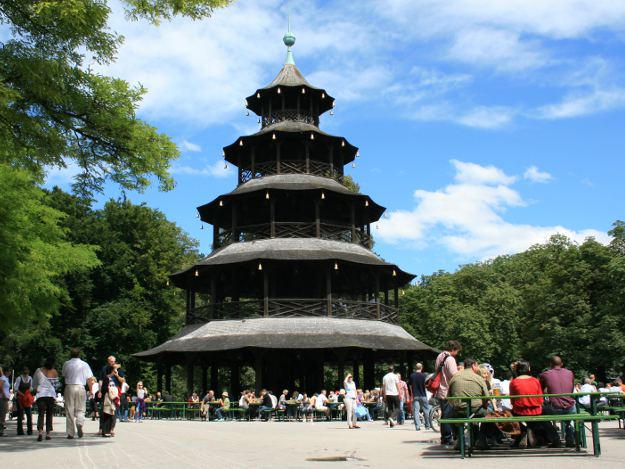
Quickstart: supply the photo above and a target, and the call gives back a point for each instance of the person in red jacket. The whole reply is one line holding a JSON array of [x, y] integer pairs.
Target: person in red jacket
[[526, 384]]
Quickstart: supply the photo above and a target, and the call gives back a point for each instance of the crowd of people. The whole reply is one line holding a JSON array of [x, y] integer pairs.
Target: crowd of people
[[105, 395], [470, 378], [109, 398]]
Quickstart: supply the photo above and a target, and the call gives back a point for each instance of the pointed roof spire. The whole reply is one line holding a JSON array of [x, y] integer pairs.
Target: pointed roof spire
[[289, 40]]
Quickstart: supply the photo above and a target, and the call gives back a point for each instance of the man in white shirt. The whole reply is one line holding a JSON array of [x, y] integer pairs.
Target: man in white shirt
[[390, 390], [321, 402], [75, 372]]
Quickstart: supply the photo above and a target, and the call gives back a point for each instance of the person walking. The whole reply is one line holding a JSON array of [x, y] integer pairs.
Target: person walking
[[23, 385], [5, 394], [142, 394], [350, 401], [420, 398], [390, 389], [75, 373], [446, 365], [45, 383]]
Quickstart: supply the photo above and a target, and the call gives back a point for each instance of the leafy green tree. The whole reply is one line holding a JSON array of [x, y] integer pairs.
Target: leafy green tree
[[124, 305], [55, 110], [557, 297], [35, 254]]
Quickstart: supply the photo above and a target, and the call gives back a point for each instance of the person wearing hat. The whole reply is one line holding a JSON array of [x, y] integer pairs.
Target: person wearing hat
[[224, 406]]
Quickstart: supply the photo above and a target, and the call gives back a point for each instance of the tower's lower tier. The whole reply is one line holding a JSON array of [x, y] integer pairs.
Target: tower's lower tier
[[287, 353]]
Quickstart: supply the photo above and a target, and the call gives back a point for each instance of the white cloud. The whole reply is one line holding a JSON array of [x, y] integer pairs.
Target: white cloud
[[219, 169], [467, 217], [190, 146], [502, 49], [197, 73], [576, 105], [472, 173], [533, 174], [481, 117]]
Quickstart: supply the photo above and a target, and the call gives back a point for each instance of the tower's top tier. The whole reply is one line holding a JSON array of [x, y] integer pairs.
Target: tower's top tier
[[289, 96]]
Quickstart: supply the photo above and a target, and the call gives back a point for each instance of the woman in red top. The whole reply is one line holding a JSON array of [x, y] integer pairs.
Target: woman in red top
[[524, 383]]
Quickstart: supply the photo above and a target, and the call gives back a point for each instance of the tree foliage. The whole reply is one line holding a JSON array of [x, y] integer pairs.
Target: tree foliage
[[34, 252], [558, 297], [122, 305], [55, 111]]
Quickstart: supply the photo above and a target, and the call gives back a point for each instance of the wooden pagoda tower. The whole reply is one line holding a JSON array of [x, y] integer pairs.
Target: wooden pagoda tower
[[291, 284]]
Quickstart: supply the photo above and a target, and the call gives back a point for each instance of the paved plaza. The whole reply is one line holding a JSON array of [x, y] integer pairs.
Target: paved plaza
[[191, 444]]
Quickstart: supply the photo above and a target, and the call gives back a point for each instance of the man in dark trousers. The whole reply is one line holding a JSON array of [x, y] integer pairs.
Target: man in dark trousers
[[559, 380], [446, 361], [419, 398]]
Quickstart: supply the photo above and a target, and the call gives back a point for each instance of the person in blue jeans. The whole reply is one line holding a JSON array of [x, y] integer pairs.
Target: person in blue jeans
[[266, 405], [419, 398]]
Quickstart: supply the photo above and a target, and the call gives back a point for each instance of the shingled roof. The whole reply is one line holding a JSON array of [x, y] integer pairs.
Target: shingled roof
[[289, 333], [285, 249], [297, 182], [289, 76]]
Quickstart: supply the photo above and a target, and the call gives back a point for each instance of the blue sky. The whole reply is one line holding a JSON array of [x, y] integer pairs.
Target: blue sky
[[484, 126]]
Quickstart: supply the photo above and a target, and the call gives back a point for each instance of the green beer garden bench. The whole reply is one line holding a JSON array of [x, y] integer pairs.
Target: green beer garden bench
[[578, 419]]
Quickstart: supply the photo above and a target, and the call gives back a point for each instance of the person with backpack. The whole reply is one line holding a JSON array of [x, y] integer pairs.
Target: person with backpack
[[438, 385], [24, 386]]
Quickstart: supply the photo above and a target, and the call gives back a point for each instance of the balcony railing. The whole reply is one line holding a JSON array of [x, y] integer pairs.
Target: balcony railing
[[293, 115], [294, 308], [272, 168], [294, 230]]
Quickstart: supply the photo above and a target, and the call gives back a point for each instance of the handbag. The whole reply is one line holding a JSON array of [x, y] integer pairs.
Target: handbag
[[26, 399], [433, 383]]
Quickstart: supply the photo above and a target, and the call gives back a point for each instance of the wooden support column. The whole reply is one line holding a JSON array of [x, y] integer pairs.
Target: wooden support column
[[386, 296], [189, 376], [258, 370], [253, 161], [214, 312], [272, 217], [239, 167], [331, 157], [235, 381], [204, 379], [369, 370], [187, 295], [376, 294], [298, 104], [352, 218], [168, 377], [159, 376], [215, 376], [356, 373], [215, 237], [307, 149], [396, 297], [278, 156], [265, 293], [233, 215], [329, 290], [317, 219], [340, 355]]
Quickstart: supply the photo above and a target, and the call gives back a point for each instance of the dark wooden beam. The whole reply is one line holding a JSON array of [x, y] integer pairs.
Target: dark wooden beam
[[189, 376], [265, 293], [329, 290]]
